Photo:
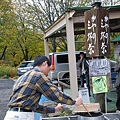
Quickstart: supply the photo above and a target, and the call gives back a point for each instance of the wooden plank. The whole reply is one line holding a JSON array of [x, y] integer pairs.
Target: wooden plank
[[91, 107]]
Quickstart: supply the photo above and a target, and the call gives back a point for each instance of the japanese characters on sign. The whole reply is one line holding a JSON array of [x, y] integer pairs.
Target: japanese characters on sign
[[91, 37], [97, 32], [99, 67], [104, 34]]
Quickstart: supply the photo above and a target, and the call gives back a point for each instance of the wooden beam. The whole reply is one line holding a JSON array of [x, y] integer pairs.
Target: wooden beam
[[59, 24], [71, 56]]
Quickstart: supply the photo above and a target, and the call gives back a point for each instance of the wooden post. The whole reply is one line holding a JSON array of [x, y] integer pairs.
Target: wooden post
[[97, 40], [46, 47], [71, 54], [100, 98]]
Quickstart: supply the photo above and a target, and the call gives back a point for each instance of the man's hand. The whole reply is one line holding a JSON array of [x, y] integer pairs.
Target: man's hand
[[78, 101], [81, 57], [59, 107]]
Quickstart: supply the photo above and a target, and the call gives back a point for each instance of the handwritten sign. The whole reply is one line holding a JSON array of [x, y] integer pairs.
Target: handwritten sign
[[99, 84], [99, 67]]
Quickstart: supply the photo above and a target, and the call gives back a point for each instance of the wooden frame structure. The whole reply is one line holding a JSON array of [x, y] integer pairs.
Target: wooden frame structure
[[69, 23]]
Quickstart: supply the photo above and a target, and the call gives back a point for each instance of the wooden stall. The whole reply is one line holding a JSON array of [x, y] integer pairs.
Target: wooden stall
[[72, 23]]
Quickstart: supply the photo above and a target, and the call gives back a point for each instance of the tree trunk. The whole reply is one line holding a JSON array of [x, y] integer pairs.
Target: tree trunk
[[3, 53]]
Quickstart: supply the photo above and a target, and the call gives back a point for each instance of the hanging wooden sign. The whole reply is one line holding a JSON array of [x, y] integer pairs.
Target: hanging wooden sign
[[97, 32]]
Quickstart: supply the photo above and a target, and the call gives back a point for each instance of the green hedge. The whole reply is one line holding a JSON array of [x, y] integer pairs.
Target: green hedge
[[7, 71]]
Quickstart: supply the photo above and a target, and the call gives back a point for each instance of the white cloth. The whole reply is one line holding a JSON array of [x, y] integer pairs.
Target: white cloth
[[16, 115]]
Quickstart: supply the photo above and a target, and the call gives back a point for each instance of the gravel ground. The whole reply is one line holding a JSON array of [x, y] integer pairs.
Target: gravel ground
[[5, 91]]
